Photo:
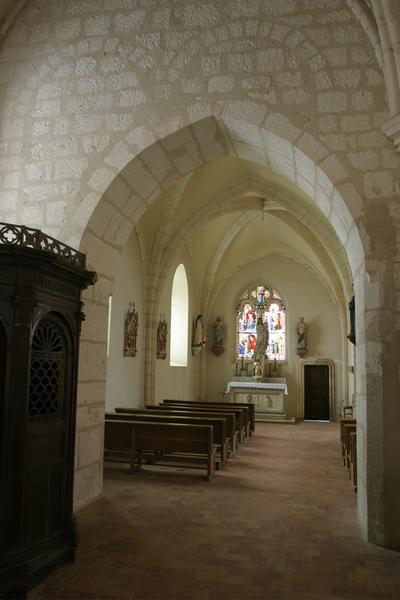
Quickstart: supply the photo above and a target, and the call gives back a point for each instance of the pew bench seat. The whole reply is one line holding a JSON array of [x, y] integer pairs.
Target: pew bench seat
[[343, 424], [242, 413], [238, 413], [223, 404], [177, 444], [218, 424], [348, 439], [232, 429]]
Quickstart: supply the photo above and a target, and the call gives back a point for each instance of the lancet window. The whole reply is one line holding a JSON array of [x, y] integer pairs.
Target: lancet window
[[179, 319], [266, 303]]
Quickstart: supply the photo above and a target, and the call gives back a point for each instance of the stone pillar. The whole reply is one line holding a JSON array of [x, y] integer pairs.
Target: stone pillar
[[378, 406], [88, 483]]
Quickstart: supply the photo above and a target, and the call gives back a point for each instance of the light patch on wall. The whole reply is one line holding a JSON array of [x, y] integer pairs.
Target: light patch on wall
[[109, 324], [179, 319]]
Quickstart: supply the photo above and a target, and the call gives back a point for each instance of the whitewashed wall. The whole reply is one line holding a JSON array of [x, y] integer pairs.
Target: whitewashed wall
[[125, 374], [177, 382], [305, 295], [89, 90]]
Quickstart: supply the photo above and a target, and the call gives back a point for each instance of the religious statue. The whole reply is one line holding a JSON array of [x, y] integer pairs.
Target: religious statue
[[130, 330], [162, 331], [218, 347], [352, 317], [302, 337], [199, 340], [258, 371], [262, 342]]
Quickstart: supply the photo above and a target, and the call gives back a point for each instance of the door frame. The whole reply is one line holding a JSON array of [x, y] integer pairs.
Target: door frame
[[300, 384]]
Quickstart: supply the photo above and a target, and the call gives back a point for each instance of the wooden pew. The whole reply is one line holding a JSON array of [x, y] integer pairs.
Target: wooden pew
[[348, 439], [218, 425], [223, 403], [225, 399], [229, 418], [242, 414], [343, 423], [349, 428], [353, 458], [245, 419], [176, 444]]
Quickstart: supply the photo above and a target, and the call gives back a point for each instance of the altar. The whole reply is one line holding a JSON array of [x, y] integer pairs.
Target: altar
[[268, 396]]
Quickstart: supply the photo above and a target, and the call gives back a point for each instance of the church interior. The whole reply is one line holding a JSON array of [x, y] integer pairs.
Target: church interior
[[199, 204]]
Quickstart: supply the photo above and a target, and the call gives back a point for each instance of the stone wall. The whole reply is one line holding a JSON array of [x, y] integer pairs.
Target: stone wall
[[105, 103]]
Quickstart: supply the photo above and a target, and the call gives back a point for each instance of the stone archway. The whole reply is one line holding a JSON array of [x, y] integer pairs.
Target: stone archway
[[76, 102], [109, 227]]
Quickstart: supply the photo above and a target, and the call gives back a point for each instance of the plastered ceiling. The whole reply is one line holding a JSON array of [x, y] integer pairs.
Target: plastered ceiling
[[226, 225]]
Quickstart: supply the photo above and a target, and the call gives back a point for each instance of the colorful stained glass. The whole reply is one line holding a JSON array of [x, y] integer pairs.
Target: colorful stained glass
[[265, 303]]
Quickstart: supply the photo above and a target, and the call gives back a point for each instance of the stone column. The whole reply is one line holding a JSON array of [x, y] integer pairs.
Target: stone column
[[91, 396], [378, 406]]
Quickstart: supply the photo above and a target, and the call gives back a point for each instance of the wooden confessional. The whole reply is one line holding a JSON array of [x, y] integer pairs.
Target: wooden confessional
[[41, 281]]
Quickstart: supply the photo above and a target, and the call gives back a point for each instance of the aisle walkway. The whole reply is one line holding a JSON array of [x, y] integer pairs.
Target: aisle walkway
[[278, 522]]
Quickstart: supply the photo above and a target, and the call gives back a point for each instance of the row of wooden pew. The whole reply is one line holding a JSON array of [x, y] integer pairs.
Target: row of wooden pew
[[348, 439], [178, 433]]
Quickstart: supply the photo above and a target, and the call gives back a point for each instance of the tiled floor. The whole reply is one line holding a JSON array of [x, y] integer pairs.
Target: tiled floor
[[279, 521]]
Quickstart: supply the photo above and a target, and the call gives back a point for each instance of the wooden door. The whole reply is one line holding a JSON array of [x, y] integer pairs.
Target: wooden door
[[316, 393], [46, 472], [3, 358]]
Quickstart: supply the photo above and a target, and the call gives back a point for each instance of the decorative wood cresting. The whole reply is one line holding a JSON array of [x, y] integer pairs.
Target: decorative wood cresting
[[27, 237], [131, 330], [162, 332], [41, 280]]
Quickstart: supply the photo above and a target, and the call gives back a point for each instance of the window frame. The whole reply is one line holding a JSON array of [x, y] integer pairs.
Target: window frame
[[179, 329], [249, 296]]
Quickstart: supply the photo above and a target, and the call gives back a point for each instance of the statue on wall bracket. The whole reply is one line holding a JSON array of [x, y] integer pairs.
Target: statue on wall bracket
[[302, 329], [352, 314], [162, 331], [218, 345], [199, 340], [130, 330]]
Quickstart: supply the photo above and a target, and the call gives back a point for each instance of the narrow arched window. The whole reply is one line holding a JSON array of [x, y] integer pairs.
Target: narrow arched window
[[109, 325], [265, 303], [179, 319]]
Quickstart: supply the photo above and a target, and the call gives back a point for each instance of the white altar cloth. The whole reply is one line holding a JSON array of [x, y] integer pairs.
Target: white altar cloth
[[260, 385]]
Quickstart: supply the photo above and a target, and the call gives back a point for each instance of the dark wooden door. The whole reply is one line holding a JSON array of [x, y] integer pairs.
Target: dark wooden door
[[46, 467], [316, 392], [3, 358]]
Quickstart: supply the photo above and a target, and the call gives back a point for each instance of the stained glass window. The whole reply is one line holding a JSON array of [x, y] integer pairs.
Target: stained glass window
[[265, 303]]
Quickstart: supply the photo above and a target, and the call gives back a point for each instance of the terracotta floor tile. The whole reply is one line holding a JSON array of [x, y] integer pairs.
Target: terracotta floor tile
[[279, 521]]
